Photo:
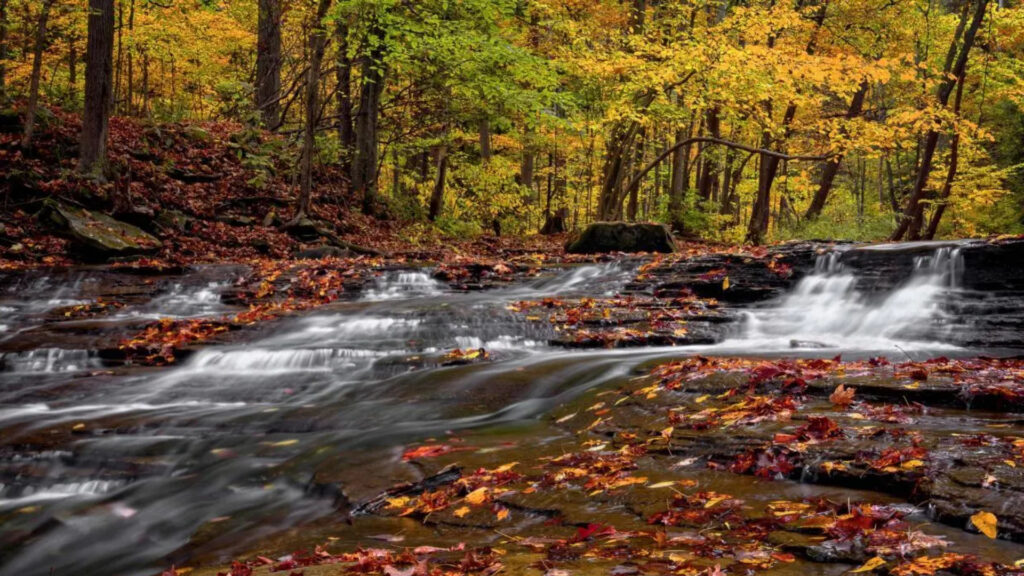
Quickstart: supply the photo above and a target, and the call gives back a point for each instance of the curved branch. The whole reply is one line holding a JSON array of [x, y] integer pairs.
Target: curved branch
[[709, 140]]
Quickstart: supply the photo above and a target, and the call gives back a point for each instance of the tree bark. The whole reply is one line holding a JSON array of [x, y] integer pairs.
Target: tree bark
[[913, 213], [954, 164], [709, 166], [37, 72], [677, 188], [761, 212], [343, 72], [3, 52], [99, 71], [364, 168], [831, 168], [317, 45], [268, 62], [437, 196]]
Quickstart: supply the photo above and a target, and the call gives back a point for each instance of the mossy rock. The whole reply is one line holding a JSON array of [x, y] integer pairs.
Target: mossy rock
[[97, 234], [602, 237]]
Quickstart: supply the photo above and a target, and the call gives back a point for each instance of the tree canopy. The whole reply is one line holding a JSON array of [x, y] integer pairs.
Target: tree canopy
[[757, 120]]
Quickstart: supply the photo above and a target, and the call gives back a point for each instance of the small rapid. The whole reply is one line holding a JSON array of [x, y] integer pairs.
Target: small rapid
[[237, 439], [834, 307]]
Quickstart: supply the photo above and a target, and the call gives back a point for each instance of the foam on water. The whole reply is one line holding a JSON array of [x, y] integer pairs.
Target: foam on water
[[49, 360], [828, 309], [396, 285]]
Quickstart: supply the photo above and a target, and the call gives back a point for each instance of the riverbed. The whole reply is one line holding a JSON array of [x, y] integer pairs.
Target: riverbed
[[266, 441]]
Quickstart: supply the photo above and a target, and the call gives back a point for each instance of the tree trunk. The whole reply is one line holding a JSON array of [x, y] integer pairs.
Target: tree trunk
[[437, 196], [99, 69], [913, 213], [954, 164], [37, 72], [364, 168], [3, 52], [268, 62], [709, 169], [526, 168], [72, 68], [831, 168], [760, 214], [343, 71], [677, 187], [317, 44]]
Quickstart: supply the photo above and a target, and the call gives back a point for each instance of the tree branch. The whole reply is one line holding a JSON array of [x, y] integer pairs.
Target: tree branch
[[708, 140]]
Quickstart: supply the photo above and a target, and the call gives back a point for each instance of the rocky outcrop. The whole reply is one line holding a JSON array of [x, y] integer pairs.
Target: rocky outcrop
[[98, 235], [602, 237]]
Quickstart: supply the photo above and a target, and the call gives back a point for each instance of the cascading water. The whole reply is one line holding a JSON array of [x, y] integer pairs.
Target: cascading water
[[831, 307], [397, 285]]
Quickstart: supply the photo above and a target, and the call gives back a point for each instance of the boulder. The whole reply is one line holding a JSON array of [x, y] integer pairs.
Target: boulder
[[98, 234], [622, 237], [319, 252], [172, 220]]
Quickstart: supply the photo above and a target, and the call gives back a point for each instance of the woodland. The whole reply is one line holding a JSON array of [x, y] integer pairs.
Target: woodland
[[545, 287], [735, 122]]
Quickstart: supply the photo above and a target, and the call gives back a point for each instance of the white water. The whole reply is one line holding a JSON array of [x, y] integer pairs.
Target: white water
[[829, 308], [393, 286], [49, 360]]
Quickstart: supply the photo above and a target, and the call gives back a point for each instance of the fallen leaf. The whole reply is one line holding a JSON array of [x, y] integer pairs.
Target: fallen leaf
[[842, 396], [986, 523], [870, 565]]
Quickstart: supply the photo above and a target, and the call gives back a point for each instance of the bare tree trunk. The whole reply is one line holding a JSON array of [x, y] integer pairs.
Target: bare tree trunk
[[761, 212], [343, 71], [913, 213], [831, 168], [317, 44], [437, 196], [364, 168], [709, 169], [527, 167], [37, 72], [3, 51], [99, 69], [954, 164], [677, 187], [268, 62]]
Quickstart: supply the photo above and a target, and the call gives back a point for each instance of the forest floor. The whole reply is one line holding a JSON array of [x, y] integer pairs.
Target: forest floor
[[210, 193]]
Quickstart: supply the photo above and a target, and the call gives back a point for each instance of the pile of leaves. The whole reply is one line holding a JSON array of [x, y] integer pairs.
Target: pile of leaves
[[618, 321]]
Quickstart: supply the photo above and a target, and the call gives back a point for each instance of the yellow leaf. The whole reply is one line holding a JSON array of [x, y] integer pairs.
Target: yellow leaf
[[870, 565], [461, 512], [502, 514], [711, 503], [662, 485], [477, 497], [985, 522], [909, 464], [398, 502], [505, 467], [725, 283], [702, 399]]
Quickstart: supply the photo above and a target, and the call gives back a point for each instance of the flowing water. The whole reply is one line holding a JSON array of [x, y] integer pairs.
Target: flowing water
[[113, 472]]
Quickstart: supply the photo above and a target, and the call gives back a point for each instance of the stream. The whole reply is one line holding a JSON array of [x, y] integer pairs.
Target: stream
[[114, 470]]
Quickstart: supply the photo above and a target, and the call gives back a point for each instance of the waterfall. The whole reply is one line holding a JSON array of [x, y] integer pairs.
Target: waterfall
[[393, 286], [830, 308]]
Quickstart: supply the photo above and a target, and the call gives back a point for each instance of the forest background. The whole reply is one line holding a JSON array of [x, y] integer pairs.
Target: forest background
[[735, 121]]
